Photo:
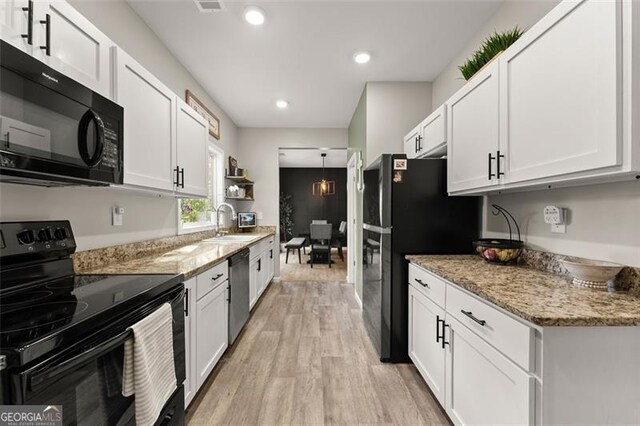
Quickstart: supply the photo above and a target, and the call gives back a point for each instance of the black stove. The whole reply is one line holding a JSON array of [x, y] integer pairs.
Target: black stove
[[51, 317]]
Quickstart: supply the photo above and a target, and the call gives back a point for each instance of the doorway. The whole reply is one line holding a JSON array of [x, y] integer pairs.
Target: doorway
[[313, 191]]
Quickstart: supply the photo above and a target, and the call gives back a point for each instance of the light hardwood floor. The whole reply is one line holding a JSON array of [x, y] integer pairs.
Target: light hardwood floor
[[295, 271], [304, 358]]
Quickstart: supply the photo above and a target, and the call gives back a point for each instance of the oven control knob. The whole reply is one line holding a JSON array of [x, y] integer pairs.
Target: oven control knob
[[60, 234], [26, 237], [44, 236]]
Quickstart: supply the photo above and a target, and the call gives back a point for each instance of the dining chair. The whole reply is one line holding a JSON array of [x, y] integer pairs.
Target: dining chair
[[320, 236], [318, 221], [339, 241]]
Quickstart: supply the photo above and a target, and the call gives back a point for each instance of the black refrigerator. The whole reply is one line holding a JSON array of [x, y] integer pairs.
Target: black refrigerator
[[406, 210]]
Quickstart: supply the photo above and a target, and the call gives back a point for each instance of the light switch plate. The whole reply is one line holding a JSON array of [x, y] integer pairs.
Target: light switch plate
[[558, 228]]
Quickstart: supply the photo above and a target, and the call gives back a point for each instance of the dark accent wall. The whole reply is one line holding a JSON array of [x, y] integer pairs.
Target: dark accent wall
[[298, 182]]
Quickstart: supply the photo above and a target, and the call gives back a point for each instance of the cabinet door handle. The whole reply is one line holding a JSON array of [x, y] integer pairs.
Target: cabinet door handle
[[29, 34], [422, 283], [47, 24], [229, 293], [186, 301], [259, 264], [271, 254], [470, 315], [498, 166], [182, 176], [491, 158], [438, 328], [416, 144], [444, 341], [419, 143], [177, 181], [216, 277]]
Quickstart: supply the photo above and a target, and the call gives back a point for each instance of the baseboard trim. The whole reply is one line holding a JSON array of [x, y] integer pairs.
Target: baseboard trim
[[355, 292]]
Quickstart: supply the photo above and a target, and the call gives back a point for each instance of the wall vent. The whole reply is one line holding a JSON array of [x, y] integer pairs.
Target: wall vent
[[209, 5]]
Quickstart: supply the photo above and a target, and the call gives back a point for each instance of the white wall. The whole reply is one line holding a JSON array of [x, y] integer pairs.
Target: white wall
[[604, 220], [258, 153], [90, 209], [393, 108]]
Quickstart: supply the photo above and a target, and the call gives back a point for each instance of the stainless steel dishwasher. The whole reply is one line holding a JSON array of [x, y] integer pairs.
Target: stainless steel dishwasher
[[238, 293]]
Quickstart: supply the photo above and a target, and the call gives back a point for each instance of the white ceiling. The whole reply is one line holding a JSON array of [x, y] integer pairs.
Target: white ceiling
[[304, 51], [311, 158]]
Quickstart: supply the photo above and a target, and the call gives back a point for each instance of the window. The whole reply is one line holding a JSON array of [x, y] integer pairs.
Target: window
[[197, 214]]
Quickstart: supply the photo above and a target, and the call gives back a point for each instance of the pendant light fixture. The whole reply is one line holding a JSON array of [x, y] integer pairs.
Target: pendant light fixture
[[324, 187]]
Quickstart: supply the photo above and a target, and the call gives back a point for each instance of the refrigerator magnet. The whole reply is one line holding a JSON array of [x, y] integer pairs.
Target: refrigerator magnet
[[400, 164], [397, 176]]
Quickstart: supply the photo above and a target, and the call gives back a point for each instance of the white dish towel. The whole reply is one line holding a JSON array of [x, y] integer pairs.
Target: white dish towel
[[149, 370]]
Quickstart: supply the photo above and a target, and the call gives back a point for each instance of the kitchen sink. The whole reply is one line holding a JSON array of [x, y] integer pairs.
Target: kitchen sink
[[230, 238]]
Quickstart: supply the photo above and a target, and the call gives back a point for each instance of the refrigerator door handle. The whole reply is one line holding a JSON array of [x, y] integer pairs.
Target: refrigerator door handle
[[377, 229]]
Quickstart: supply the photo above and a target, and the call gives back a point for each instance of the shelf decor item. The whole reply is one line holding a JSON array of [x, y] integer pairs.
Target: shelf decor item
[[490, 49], [497, 250], [200, 108], [594, 274]]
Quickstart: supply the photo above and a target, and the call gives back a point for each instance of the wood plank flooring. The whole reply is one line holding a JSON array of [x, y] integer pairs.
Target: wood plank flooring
[[294, 271], [304, 358]]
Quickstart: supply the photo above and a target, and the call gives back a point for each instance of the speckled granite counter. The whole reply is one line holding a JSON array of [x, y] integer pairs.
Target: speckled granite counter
[[539, 297], [189, 259]]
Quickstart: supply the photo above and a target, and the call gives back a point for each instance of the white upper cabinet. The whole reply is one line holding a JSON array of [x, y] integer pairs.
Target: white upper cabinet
[[149, 125], [429, 138], [66, 41], [17, 21], [561, 95], [411, 142], [432, 140], [473, 129], [567, 110], [192, 151]]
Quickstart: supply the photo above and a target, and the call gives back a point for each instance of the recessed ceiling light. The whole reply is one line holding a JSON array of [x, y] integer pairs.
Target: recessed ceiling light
[[282, 104], [362, 57], [254, 15]]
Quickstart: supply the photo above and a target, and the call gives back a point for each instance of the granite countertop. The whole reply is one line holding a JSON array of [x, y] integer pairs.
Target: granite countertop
[[190, 259], [539, 297]]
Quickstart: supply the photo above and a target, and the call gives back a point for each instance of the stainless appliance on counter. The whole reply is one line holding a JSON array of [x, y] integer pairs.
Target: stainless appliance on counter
[[62, 335], [53, 130], [238, 293]]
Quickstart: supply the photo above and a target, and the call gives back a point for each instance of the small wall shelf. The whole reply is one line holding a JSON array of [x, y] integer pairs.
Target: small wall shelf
[[239, 180], [246, 188]]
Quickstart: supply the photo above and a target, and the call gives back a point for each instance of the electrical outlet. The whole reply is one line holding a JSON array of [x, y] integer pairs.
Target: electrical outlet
[[117, 214]]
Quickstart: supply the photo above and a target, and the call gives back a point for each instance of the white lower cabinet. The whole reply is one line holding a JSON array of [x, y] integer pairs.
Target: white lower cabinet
[[212, 319], [206, 319], [483, 386], [486, 366], [425, 347], [254, 280], [261, 268], [189, 340]]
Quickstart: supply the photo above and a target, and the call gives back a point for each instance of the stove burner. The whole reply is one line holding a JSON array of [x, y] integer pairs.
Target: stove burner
[[25, 298], [41, 318]]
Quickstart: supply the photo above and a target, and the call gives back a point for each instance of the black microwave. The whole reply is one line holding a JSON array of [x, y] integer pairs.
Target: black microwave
[[53, 130]]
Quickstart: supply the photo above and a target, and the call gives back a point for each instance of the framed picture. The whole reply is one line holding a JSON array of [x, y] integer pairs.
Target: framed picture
[[214, 122], [233, 166]]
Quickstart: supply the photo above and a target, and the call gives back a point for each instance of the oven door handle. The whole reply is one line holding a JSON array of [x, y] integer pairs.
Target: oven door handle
[[38, 378]]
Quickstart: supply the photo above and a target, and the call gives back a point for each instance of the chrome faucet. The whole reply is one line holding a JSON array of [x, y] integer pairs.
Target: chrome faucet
[[217, 211]]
